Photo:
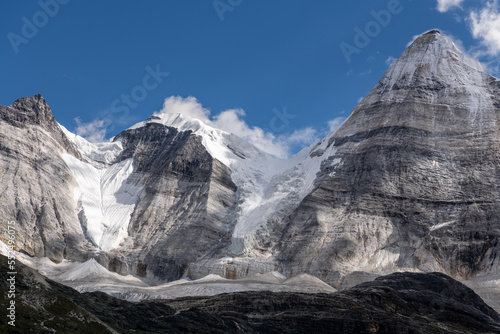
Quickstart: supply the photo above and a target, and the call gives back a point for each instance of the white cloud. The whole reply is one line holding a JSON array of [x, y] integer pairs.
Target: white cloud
[[188, 106], [445, 5], [232, 121], [335, 123], [305, 137], [94, 131], [485, 26], [390, 60]]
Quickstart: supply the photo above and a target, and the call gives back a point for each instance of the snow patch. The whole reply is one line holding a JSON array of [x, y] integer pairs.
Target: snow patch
[[105, 152], [106, 199]]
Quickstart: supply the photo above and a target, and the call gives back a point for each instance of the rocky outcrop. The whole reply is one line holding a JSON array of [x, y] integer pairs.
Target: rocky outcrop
[[399, 303], [34, 111]]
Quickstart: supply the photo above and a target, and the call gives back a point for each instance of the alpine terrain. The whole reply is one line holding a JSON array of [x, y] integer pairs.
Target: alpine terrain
[[172, 207]]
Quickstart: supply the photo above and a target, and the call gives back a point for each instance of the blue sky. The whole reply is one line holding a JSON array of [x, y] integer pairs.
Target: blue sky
[[274, 69]]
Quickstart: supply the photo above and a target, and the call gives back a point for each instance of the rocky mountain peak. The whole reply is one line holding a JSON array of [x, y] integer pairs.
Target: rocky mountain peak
[[431, 78], [433, 61], [28, 110], [37, 102], [432, 32], [34, 112]]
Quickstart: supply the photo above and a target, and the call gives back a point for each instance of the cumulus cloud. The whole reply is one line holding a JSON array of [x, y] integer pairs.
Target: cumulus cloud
[[335, 123], [445, 5], [94, 131], [188, 106], [232, 121], [305, 136], [485, 26]]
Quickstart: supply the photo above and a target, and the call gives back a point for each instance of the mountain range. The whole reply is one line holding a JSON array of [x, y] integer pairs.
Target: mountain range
[[409, 182]]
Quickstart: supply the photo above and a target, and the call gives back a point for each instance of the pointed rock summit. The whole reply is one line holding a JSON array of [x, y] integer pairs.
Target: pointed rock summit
[[28, 110], [30, 113], [435, 87]]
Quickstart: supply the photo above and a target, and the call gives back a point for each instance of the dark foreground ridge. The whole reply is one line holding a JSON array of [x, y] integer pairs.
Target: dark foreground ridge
[[397, 303]]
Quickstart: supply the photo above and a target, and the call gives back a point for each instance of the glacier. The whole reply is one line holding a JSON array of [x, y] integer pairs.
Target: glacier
[[105, 198]]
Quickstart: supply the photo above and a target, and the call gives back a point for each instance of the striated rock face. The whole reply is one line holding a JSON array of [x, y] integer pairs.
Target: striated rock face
[[399, 303], [36, 183], [182, 212], [412, 180]]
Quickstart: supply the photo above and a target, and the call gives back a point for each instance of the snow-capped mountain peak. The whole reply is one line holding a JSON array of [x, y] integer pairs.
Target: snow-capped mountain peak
[[434, 72], [221, 144], [434, 61]]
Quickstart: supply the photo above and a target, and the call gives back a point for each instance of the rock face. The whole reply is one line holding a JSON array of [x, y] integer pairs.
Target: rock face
[[182, 212], [69, 198], [398, 303], [410, 180], [408, 183], [36, 183]]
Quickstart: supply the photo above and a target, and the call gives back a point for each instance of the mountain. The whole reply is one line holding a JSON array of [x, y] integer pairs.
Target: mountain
[[164, 195], [391, 304], [407, 183]]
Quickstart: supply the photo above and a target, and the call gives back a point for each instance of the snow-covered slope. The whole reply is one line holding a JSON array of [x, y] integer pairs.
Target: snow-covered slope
[[90, 276], [105, 198], [268, 187], [104, 152]]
